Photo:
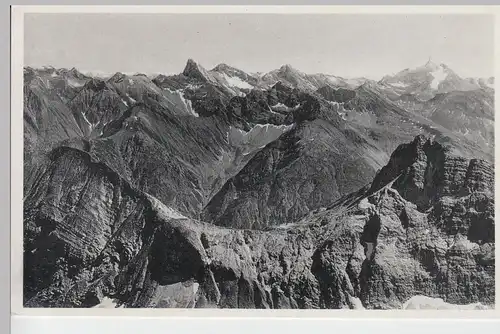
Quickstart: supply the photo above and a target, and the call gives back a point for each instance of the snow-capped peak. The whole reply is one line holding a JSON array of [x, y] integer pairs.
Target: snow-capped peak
[[430, 65], [117, 77], [439, 74], [287, 68]]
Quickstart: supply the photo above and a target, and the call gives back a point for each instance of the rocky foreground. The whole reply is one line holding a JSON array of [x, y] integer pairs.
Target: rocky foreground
[[424, 226]]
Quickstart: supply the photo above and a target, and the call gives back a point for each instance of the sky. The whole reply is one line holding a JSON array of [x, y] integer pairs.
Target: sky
[[340, 44]]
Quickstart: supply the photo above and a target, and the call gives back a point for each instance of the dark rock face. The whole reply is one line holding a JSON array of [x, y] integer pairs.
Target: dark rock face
[[424, 171], [340, 95], [104, 238]]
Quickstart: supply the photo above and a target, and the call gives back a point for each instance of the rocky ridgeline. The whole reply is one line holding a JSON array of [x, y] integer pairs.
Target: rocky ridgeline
[[423, 227]]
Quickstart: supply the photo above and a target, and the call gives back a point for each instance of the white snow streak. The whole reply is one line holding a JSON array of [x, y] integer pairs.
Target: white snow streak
[[107, 303], [236, 82], [75, 83], [258, 137], [428, 303], [398, 84], [131, 99], [439, 75], [87, 121], [179, 103]]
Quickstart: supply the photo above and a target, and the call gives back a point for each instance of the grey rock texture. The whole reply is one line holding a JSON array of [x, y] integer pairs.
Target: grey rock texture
[[224, 189], [100, 237]]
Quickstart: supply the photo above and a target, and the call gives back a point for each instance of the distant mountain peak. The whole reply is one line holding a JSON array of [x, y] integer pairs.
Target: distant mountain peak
[[76, 74], [117, 77], [48, 68], [287, 68], [222, 67], [430, 63], [432, 66], [95, 84], [196, 71]]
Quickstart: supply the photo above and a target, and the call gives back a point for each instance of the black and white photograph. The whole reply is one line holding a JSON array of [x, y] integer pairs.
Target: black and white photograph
[[258, 161]]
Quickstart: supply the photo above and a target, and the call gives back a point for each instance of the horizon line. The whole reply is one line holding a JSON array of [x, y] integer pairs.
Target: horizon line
[[106, 73]]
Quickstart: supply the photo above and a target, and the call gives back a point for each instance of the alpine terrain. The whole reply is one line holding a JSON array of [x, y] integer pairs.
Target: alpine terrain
[[218, 188]]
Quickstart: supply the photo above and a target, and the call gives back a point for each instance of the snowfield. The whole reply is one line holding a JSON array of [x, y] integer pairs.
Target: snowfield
[[438, 76], [258, 137], [179, 103], [428, 303], [236, 82]]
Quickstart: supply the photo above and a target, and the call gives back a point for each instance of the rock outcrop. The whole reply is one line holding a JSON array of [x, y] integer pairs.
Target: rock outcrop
[[101, 238]]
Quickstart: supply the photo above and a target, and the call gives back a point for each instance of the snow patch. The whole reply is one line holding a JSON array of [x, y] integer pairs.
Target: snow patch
[[236, 82], [193, 87], [178, 103], [284, 108], [370, 248], [364, 204], [107, 303], [439, 75], [258, 137], [280, 105], [74, 83], [87, 121], [356, 303], [131, 99], [428, 303], [398, 84]]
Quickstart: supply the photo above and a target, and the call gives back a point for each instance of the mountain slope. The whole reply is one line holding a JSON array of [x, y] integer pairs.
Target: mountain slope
[[389, 123], [428, 80], [307, 82], [312, 165], [224, 189], [103, 239], [468, 114]]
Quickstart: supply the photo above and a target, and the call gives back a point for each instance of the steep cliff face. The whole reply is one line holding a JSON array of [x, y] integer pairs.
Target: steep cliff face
[[102, 238]]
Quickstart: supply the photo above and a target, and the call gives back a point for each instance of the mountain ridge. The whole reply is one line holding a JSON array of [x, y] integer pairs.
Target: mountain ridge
[[224, 189]]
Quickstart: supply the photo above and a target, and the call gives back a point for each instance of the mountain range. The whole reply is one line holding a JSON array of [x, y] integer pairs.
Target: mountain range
[[222, 188]]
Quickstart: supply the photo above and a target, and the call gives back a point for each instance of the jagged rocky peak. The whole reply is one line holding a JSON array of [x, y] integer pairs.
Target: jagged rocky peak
[[195, 71], [222, 67], [432, 65], [71, 73], [339, 95], [287, 68], [117, 77], [95, 84], [191, 64], [29, 73], [232, 71], [77, 74], [424, 170], [416, 152]]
